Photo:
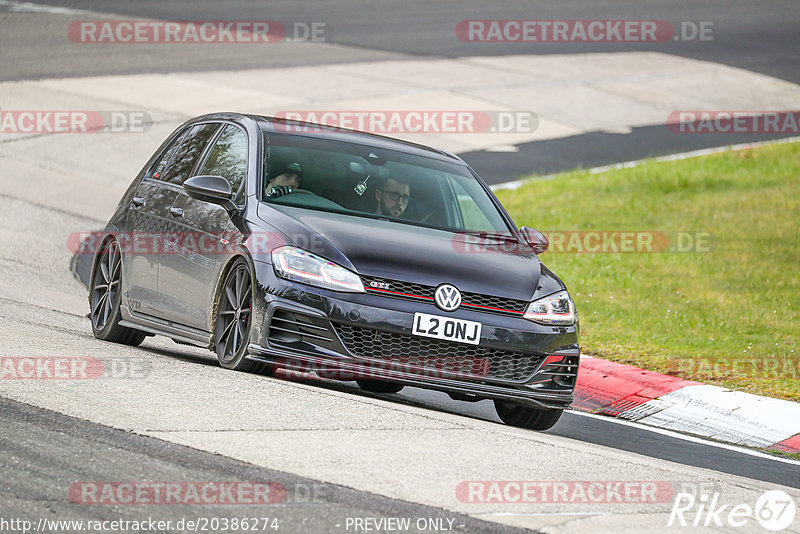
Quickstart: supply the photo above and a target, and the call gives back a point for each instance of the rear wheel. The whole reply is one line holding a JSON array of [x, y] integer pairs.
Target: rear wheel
[[105, 296], [379, 386], [526, 417], [233, 321]]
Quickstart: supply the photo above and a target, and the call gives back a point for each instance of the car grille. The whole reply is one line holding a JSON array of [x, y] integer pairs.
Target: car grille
[[437, 357], [412, 291]]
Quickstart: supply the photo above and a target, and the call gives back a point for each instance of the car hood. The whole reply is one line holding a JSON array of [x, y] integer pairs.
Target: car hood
[[411, 253]]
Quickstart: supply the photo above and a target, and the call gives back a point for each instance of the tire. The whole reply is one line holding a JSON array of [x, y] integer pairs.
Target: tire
[[525, 417], [233, 320], [379, 386], [105, 297]]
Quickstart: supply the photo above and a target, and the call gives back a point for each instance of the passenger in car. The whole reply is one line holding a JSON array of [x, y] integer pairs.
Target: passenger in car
[[288, 179], [393, 197]]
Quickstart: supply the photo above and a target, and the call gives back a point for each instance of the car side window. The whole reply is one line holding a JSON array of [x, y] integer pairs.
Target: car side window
[[228, 158], [473, 216], [157, 170], [185, 156]]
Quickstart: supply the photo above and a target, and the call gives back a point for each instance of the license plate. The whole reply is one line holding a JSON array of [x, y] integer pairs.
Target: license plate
[[447, 328]]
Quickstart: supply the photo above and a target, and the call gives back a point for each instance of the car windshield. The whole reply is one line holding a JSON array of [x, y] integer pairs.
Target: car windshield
[[364, 181]]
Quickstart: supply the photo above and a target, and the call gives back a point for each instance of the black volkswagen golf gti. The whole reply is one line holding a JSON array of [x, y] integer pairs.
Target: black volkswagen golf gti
[[289, 245]]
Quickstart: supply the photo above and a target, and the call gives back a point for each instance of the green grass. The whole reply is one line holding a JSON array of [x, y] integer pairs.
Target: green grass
[[728, 316]]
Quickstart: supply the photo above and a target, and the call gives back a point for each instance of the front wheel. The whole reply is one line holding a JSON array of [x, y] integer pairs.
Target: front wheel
[[233, 321], [525, 417], [105, 296]]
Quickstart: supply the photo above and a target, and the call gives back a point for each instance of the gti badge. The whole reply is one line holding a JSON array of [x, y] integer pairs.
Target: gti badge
[[447, 297]]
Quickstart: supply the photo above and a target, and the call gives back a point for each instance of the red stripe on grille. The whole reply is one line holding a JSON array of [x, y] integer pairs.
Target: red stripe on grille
[[398, 293], [431, 298], [491, 308]]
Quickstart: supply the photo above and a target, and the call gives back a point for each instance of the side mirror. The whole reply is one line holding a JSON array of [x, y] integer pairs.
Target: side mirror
[[214, 189], [535, 239]]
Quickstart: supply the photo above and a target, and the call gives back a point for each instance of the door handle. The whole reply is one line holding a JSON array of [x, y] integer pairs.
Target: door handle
[[176, 211], [137, 202]]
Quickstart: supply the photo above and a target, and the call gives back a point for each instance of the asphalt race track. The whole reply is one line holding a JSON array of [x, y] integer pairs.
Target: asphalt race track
[[745, 36], [168, 413], [748, 37], [66, 443]]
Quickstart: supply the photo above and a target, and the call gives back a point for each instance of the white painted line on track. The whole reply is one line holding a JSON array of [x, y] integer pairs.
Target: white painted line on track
[[686, 437], [516, 184]]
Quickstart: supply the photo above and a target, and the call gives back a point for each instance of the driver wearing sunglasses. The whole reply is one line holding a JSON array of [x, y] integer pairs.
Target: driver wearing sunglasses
[[392, 197]]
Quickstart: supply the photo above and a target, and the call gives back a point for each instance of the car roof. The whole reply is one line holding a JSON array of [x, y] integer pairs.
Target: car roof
[[273, 125]]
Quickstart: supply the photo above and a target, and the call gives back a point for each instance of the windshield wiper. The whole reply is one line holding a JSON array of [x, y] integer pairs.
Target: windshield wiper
[[492, 235]]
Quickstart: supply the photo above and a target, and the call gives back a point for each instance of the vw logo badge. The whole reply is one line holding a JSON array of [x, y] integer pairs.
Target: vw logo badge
[[447, 297]]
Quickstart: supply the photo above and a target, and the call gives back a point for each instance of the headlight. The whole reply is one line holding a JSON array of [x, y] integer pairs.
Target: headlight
[[556, 310], [296, 264]]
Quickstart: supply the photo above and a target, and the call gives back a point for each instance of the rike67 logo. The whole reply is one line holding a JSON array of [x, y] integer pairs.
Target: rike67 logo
[[774, 510]]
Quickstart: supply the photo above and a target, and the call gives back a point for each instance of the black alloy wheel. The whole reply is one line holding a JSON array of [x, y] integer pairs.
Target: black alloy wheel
[[234, 319], [105, 297]]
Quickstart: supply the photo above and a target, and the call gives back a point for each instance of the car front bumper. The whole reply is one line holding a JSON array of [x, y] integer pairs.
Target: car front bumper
[[350, 336]]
